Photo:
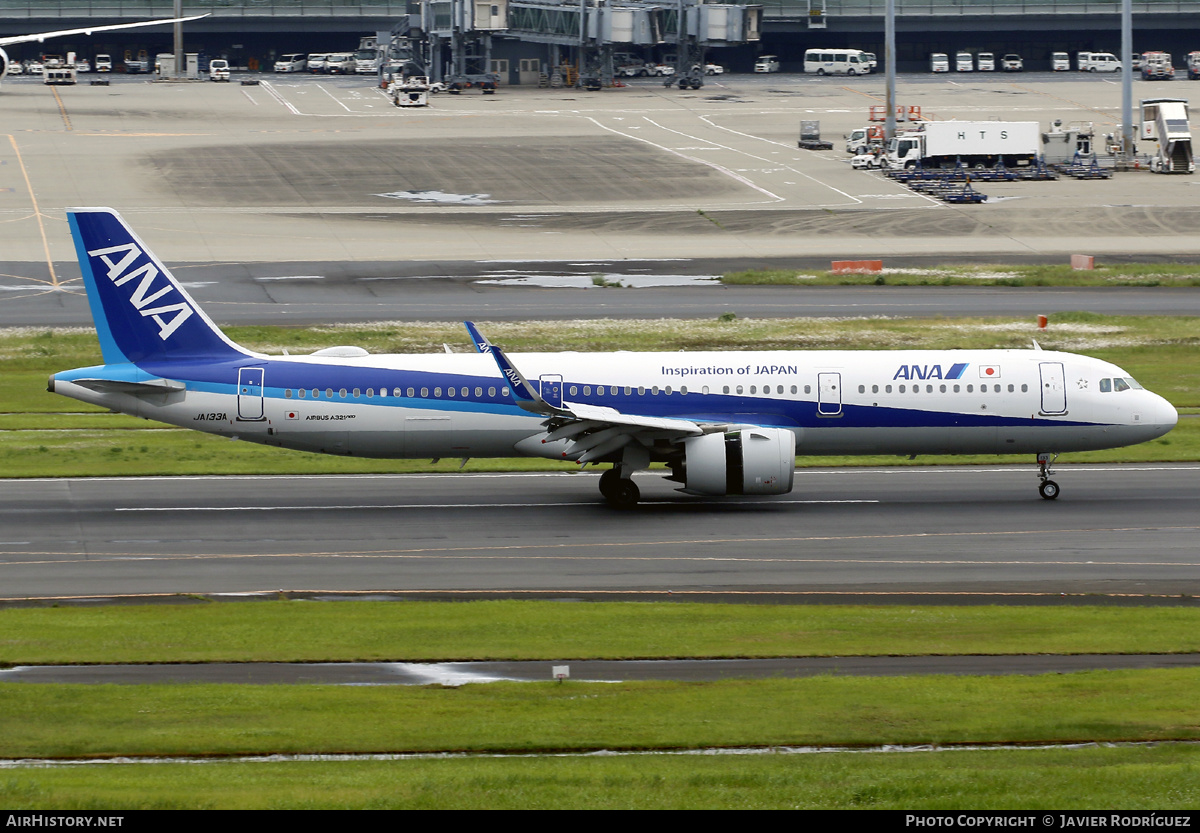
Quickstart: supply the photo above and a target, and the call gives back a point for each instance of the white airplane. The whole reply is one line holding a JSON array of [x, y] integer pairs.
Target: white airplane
[[724, 423], [87, 30]]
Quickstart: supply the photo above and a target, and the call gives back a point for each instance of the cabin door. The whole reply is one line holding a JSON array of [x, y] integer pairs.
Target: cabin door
[[1054, 388], [250, 393]]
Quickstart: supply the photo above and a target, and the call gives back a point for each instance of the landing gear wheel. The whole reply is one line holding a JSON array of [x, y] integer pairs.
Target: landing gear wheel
[[1048, 490], [624, 494], [609, 481]]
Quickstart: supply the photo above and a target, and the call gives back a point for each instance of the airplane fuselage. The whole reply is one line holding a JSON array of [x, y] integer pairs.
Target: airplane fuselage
[[835, 402]]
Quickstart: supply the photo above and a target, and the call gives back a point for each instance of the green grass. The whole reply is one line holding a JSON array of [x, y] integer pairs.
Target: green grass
[[1138, 274], [49, 720], [284, 631], [46, 435], [1158, 778]]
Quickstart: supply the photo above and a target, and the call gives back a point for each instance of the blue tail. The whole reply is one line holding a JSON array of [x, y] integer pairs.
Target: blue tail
[[141, 311]]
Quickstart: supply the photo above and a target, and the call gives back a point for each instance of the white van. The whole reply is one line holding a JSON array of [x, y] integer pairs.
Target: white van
[[103, 62], [766, 63], [836, 62], [938, 62], [964, 62], [1060, 61], [985, 62], [1097, 62], [295, 62]]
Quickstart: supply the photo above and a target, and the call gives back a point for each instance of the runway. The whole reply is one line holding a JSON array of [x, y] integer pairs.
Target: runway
[[939, 534]]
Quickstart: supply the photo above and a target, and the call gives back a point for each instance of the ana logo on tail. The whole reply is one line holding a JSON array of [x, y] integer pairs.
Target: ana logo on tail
[[168, 316]]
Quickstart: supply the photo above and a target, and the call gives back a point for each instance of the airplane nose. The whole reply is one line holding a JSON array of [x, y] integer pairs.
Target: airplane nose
[[1163, 414]]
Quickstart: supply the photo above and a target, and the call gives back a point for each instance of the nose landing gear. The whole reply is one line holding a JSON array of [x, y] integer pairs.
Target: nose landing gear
[[1048, 489]]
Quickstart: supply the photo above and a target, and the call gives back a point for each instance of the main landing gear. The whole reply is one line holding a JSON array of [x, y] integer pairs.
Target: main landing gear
[[618, 489], [1048, 488]]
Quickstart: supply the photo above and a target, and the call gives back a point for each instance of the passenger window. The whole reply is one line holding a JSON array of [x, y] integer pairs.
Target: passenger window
[[479, 393], [956, 388], [492, 391], [970, 388], [355, 393], [398, 392], [793, 389], [942, 388], [449, 392], [342, 393], [465, 392], [424, 392], [996, 388], [668, 390], [1011, 388], [929, 388], [437, 391], [739, 388], [287, 394], [316, 394], [874, 388], [587, 390], [808, 388], [329, 393], [754, 389], [574, 390], [1024, 388], [725, 389], [887, 388], [862, 388], [683, 390], [641, 390], [504, 391], [302, 392], [654, 391], [901, 388], [371, 392]]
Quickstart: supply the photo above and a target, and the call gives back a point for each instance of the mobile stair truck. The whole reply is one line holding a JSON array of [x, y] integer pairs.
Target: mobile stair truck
[[1165, 120], [974, 144]]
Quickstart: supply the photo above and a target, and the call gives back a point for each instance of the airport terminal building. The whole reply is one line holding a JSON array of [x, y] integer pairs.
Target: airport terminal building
[[254, 32]]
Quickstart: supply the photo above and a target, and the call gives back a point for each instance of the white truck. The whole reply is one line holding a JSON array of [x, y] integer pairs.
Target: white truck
[[1060, 61], [1165, 121], [977, 144]]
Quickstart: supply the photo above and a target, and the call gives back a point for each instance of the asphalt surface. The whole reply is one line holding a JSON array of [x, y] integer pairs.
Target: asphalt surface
[[967, 535]]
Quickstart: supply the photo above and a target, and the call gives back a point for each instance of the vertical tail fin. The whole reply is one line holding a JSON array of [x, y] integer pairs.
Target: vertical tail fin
[[141, 311]]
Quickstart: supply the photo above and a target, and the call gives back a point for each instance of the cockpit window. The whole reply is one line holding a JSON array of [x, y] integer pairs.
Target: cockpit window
[[1106, 385], [1120, 384]]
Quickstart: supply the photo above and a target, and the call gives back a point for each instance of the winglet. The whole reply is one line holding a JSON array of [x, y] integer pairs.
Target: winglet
[[522, 391]]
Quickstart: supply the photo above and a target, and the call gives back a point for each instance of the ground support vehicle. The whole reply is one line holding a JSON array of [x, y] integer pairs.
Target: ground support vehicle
[[964, 62], [1157, 66], [410, 92], [714, 69], [631, 69], [1060, 61], [1165, 121], [1012, 63], [218, 69], [692, 79], [1193, 65], [938, 62], [1097, 62], [293, 62], [767, 63], [836, 62], [985, 62], [103, 62], [340, 63], [864, 140], [977, 144], [810, 136], [59, 74]]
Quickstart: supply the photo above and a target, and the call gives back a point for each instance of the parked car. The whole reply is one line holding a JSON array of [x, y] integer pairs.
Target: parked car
[[767, 63], [964, 62], [16, 68], [1012, 63], [103, 62], [714, 69], [938, 62], [660, 69], [292, 62], [317, 61], [871, 60], [985, 62], [1060, 61], [83, 65]]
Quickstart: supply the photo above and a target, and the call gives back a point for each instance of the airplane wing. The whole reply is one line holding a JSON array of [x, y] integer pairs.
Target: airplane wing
[[594, 430], [88, 30]]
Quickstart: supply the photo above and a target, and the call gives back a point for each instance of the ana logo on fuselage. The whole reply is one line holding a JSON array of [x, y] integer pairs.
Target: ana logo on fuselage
[[929, 371], [120, 260]]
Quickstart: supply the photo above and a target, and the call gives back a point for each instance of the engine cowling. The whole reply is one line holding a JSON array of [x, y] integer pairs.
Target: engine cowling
[[3, 64], [749, 461]]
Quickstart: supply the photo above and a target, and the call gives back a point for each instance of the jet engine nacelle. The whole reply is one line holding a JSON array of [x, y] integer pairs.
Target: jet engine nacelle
[[3, 64], [749, 461]]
